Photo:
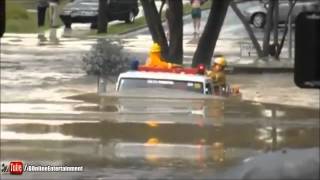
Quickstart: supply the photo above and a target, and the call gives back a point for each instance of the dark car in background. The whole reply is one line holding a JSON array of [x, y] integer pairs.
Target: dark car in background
[[86, 11]]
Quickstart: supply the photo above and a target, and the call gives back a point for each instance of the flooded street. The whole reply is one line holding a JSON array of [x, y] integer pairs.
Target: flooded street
[[144, 137], [52, 115], [149, 145]]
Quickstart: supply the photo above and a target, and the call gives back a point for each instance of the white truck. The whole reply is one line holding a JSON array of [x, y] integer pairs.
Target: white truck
[[165, 80], [162, 90], [166, 90]]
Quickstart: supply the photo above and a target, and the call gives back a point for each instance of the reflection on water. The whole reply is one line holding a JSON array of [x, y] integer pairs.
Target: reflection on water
[[226, 134]]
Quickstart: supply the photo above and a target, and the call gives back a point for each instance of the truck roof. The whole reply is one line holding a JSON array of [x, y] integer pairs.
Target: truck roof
[[164, 76]]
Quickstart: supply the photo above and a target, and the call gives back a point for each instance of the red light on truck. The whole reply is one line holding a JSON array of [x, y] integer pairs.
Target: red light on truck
[[201, 69]]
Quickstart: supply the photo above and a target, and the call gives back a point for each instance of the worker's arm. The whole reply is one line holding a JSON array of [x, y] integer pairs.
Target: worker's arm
[[213, 76]]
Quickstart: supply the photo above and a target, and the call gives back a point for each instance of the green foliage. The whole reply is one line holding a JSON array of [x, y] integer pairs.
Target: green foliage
[[19, 20], [16, 11], [106, 59]]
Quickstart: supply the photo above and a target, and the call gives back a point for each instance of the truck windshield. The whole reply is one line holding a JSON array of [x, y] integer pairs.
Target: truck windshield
[[130, 83]]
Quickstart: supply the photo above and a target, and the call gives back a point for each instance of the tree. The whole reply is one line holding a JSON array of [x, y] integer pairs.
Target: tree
[[163, 2], [175, 22], [2, 17], [174, 51], [154, 23], [271, 25], [102, 16], [275, 29], [106, 59], [207, 42], [293, 3], [248, 28], [268, 29]]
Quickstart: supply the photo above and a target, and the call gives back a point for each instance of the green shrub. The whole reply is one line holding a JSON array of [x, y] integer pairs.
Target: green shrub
[[106, 59]]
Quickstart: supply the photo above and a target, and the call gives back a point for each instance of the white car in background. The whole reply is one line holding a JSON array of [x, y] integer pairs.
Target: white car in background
[[256, 15]]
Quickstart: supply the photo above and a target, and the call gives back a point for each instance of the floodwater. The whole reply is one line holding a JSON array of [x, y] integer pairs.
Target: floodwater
[[196, 137], [173, 136]]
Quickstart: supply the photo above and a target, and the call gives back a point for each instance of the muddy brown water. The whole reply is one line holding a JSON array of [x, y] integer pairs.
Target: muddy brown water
[[197, 138]]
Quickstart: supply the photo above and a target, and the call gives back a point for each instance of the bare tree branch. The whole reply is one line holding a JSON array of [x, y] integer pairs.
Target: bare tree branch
[[248, 28], [286, 28], [163, 2], [268, 29], [275, 29]]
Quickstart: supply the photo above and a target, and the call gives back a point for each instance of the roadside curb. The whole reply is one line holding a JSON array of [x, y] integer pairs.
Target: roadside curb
[[257, 70], [133, 30]]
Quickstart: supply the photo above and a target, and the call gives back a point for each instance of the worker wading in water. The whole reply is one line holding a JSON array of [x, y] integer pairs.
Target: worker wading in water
[[217, 74]]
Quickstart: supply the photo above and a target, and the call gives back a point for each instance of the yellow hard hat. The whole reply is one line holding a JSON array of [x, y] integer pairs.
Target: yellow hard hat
[[221, 61], [155, 47]]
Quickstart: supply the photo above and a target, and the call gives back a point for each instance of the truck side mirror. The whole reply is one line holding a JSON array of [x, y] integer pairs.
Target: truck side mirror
[[307, 50]]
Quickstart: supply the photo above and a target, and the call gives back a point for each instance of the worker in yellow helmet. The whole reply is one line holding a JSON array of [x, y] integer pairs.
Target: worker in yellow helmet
[[217, 73], [155, 59]]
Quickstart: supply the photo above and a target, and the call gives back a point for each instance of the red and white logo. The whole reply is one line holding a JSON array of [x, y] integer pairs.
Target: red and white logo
[[16, 167]]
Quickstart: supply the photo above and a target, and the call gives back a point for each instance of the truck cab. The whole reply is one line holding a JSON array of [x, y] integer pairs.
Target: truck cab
[[149, 78]]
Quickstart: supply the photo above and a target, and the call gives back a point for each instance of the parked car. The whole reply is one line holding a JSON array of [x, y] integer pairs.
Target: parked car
[[86, 11], [256, 15]]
